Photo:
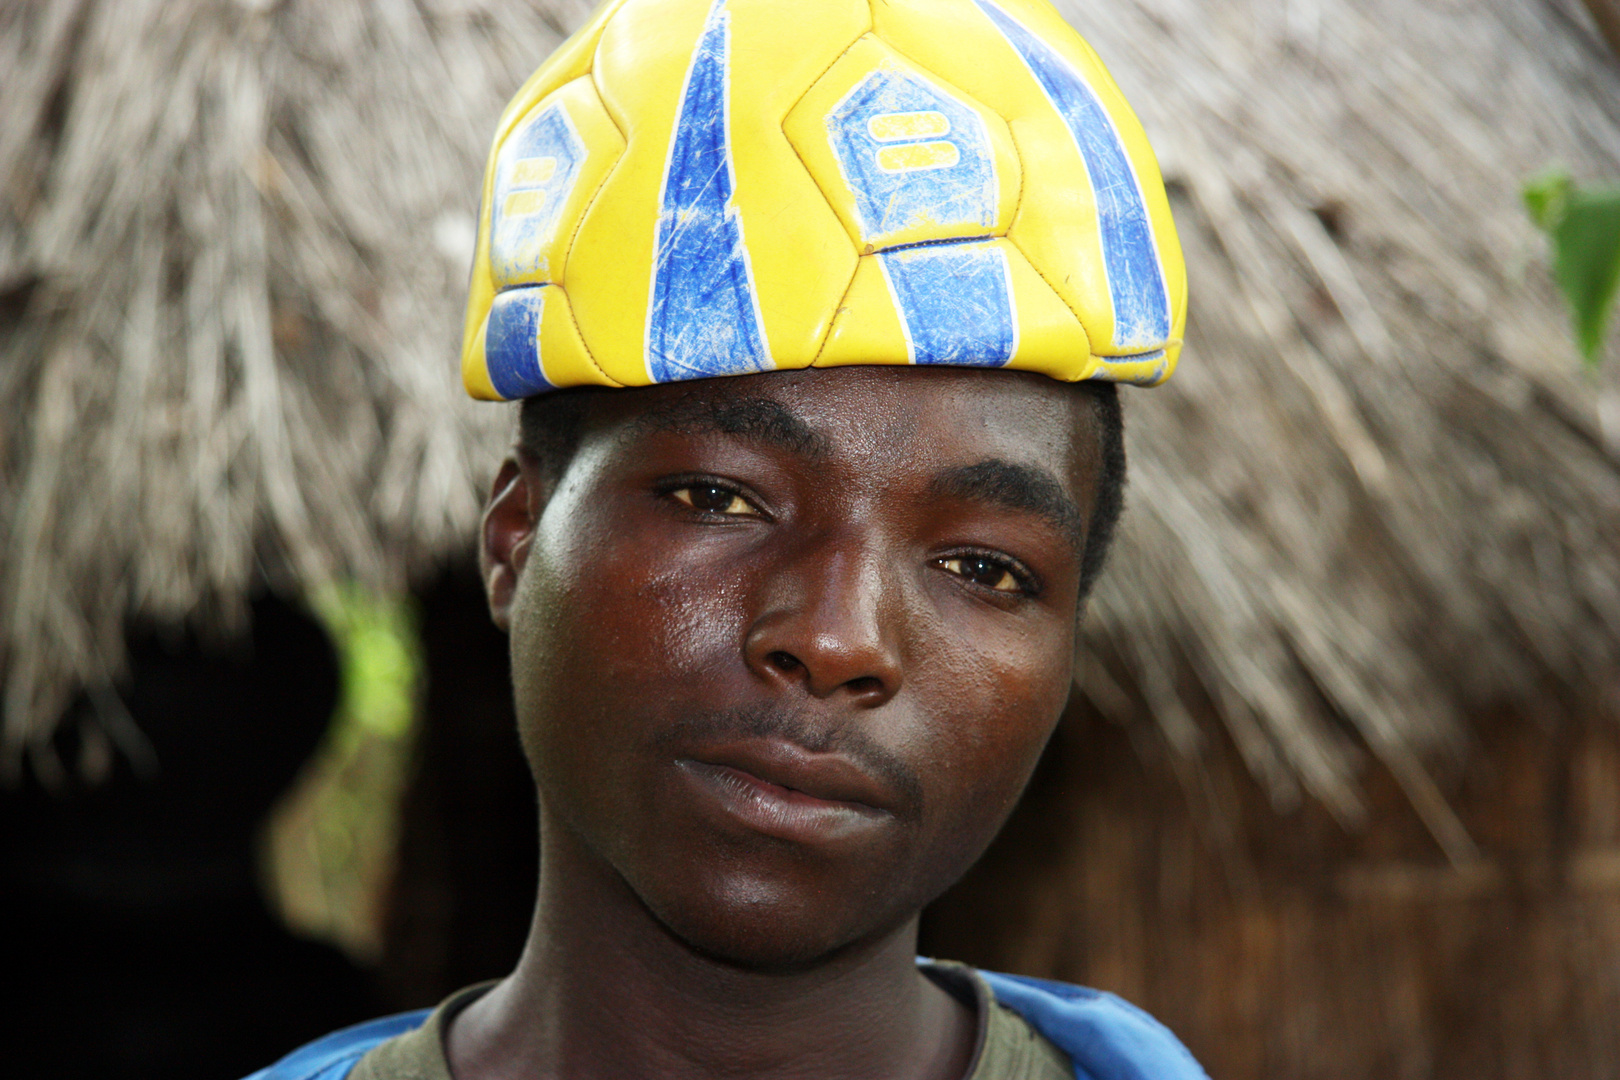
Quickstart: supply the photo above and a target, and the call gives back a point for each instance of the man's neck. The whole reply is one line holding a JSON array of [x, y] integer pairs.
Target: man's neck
[[604, 992]]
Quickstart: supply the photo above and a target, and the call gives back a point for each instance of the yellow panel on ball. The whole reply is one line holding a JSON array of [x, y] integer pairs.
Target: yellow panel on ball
[[1050, 339], [546, 173], [1107, 242], [1057, 226], [800, 259], [867, 328], [563, 355], [640, 71], [571, 60]]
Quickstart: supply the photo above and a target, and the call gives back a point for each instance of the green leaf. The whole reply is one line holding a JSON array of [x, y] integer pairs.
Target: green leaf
[[1587, 264], [1545, 196], [377, 644], [1583, 224]]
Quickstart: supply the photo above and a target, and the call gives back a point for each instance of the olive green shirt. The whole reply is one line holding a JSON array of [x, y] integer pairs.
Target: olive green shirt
[[1007, 1049]]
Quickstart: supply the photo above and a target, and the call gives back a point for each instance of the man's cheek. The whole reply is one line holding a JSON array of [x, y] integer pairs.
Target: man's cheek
[[669, 621], [982, 761]]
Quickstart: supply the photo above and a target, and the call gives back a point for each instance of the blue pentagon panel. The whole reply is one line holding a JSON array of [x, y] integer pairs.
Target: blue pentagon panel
[[512, 342], [955, 302], [913, 155], [1135, 277], [534, 176], [704, 317]]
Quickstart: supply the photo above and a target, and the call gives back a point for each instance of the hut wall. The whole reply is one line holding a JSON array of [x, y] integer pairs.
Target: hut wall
[[1280, 946]]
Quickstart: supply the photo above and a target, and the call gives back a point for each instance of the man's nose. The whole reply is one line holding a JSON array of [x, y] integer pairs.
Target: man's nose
[[828, 619]]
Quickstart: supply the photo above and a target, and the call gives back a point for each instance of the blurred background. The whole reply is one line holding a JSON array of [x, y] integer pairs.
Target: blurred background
[[1338, 794]]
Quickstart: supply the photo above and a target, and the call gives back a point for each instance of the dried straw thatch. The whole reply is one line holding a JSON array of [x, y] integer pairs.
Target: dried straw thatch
[[1378, 492], [234, 241]]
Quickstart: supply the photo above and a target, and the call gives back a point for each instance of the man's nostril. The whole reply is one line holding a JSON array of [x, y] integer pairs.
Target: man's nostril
[[783, 661]]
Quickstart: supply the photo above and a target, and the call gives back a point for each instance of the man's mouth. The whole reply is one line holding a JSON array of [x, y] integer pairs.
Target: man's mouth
[[779, 789]]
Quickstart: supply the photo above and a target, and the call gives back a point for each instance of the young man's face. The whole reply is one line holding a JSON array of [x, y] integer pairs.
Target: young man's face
[[786, 647]]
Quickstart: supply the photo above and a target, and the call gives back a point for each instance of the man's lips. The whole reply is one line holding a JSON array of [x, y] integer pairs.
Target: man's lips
[[820, 777], [781, 789]]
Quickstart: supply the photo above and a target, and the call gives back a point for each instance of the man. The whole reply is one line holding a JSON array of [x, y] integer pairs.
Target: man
[[816, 312]]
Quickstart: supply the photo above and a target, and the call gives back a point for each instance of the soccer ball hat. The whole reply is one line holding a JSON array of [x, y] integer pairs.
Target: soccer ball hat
[[694, 188]]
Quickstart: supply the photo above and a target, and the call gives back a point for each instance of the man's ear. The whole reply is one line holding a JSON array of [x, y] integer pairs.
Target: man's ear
[[515, 503]]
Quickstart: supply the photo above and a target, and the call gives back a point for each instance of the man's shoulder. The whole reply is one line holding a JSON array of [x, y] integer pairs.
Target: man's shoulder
[[331, 1057], [1105, 1036]]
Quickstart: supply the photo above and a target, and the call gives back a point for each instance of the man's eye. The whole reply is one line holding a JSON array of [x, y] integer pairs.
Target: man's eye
[[715, 500], [980, 570]]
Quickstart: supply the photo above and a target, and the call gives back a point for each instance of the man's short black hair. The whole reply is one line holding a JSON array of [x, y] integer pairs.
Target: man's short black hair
[[550, 426], [1110, 480]]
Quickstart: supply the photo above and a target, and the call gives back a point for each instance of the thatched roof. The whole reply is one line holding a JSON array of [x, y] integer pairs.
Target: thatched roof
[[1378, 492], [234, 240]]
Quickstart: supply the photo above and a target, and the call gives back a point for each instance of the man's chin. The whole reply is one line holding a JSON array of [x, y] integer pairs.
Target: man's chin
[[767, 934]]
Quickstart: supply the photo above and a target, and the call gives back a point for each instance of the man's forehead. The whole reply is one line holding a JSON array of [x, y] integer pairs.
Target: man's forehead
[[808, 413], [757, 418]]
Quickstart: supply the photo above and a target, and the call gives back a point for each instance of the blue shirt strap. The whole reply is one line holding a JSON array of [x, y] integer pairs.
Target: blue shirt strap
[[333, 1056], [1106, 1037]]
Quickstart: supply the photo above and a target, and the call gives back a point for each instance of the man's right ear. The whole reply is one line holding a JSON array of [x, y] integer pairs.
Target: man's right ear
[[515, 503]]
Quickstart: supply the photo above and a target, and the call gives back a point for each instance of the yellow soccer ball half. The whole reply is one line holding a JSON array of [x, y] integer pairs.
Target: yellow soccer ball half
[[696, 188]]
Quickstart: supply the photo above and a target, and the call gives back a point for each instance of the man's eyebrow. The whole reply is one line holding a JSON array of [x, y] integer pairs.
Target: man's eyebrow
[[1027, 488], [756, 419]]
